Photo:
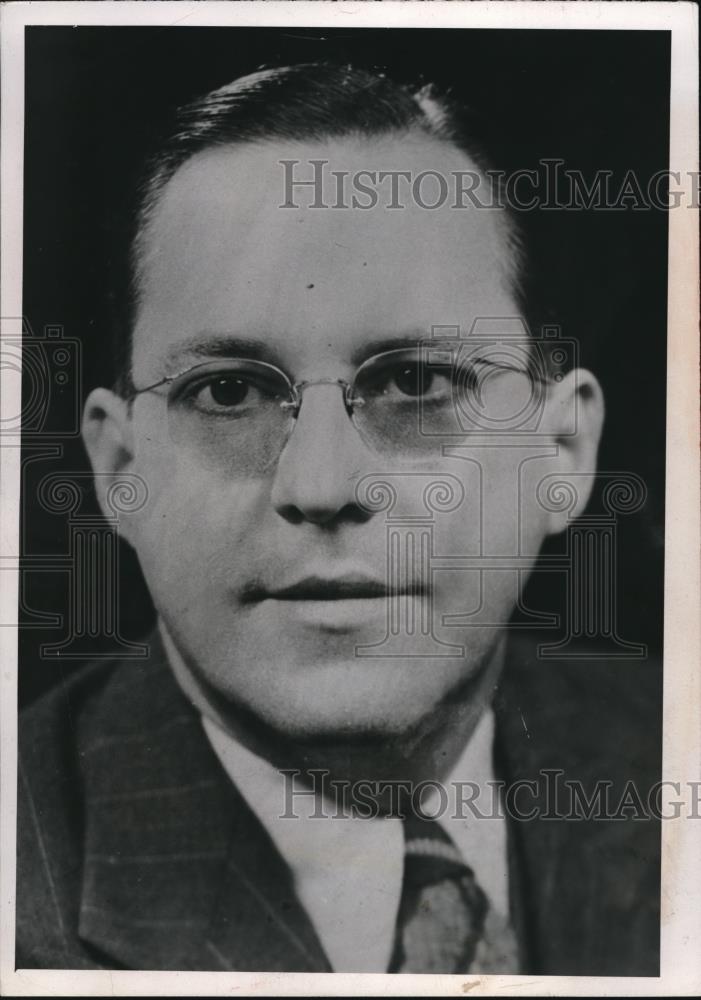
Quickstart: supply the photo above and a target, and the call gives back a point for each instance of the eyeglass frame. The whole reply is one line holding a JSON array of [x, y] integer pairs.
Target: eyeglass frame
[[296, 388]]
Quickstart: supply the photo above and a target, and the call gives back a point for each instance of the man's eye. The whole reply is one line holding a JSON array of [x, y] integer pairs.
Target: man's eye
[[226, 394], [228, 390], [417, 380], [412, 380]]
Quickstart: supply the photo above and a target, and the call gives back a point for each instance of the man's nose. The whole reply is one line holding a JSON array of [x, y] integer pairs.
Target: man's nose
[[321, 462]]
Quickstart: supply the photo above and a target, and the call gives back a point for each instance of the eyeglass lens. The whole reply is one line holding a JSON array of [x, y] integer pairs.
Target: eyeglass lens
[[407, 402]]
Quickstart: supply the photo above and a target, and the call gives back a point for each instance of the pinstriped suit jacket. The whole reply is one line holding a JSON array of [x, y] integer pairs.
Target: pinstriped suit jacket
[[135, 850]]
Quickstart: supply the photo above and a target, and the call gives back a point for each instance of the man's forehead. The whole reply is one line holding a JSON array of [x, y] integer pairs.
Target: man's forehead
[[387, 181], [222, 253]]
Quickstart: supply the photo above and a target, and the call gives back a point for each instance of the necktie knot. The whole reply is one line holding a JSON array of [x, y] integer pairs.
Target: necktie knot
[[426, 838], [442, 909]]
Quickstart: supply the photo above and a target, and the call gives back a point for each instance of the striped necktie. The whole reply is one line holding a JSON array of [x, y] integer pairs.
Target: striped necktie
[[444, 923]]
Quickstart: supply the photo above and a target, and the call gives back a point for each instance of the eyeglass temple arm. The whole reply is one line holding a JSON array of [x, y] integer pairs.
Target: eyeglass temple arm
[[132, 392]]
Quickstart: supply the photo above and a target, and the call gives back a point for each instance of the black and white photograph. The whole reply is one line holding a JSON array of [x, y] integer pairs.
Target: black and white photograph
[[350, 564]]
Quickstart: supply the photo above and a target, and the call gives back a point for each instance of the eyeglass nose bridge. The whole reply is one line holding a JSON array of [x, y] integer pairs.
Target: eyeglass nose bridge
[[298, 389]]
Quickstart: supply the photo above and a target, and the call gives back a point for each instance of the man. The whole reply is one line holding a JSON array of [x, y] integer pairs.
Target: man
[[304, 369]]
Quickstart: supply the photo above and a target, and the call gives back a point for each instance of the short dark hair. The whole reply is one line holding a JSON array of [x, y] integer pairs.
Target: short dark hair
[[307, 101]]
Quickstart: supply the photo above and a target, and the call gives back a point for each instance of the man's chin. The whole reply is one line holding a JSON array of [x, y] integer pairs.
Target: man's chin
[[374, 728], [344, 716], [377, 706], [336, 703]]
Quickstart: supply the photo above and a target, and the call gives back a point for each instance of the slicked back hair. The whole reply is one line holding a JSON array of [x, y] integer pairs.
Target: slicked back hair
[[304, 102]]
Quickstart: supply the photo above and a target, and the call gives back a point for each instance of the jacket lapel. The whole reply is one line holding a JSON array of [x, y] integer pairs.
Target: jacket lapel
[[178, 873], [257, 922]]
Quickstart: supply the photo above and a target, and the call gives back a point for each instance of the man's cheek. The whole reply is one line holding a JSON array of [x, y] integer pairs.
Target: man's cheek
[[194, 532], [171, 533], [468, 601]]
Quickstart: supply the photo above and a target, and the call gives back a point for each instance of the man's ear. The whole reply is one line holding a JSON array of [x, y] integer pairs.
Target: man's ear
[[108, 438], [575, 417]]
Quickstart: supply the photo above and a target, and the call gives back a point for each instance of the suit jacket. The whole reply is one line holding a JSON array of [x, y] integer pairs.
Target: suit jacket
[[136, 851]]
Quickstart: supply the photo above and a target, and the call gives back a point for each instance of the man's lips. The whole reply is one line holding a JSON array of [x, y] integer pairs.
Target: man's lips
[[344, 588]]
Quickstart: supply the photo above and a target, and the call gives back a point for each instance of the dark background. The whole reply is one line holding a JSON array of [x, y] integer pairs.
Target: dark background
[[598, 100]]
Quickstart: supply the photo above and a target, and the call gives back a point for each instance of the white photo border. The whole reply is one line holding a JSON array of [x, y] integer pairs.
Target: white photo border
[[681, 839]]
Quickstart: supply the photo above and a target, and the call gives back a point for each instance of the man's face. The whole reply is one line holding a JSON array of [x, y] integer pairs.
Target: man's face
[[319, 290]]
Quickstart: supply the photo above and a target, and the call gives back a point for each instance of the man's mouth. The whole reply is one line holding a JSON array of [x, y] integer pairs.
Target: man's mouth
[[345, 602], [351, 587]]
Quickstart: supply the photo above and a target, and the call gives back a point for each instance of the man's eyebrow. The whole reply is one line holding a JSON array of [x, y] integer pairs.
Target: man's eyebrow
[[413, 339], [220, 345], [204, 346]]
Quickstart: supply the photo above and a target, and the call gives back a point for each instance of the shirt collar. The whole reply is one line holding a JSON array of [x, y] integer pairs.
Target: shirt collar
[[348, 871]]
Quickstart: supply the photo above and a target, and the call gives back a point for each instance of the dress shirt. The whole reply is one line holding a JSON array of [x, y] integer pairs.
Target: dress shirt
[[348, 871]]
